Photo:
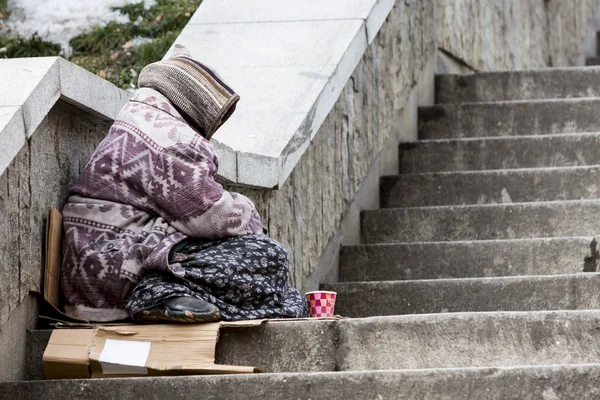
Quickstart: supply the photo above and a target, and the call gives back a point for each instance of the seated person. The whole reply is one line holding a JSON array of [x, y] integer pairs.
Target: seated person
[[150, 234]]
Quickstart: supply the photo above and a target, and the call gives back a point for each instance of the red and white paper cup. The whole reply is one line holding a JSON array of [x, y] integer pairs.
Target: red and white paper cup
[[321, 303]]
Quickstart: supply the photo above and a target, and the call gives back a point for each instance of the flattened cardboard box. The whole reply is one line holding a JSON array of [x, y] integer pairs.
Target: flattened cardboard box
[[138, 350], [124, 350]]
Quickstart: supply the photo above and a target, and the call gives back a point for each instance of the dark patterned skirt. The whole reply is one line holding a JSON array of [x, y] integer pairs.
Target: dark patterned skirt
[[246, 277]]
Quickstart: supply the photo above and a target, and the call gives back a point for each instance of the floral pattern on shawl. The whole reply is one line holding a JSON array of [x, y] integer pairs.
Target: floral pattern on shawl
[[246, 277]]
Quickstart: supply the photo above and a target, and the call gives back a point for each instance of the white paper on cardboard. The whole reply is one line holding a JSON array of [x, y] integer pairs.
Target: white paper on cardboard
[[124, 357]]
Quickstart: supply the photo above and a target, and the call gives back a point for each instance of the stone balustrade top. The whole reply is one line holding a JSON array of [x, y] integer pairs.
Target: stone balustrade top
[[289, 61], [31, 87]]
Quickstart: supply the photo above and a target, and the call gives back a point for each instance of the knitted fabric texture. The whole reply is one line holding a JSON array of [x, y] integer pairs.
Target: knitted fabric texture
[[197, 91], [148, 186]]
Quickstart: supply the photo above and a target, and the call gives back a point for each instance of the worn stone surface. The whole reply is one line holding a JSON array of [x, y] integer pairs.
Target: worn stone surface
[[306, 212], [450, 340], [310, 347], [481, 222], [518, 85], [564, 382], [470, 340], [290, 346], [541, 117], [37, 340], [513, 34], [514, 293], [13, 340], [500, 153], [39, 177], [480, 258], [32, 86], [233, 11], [490, 187]]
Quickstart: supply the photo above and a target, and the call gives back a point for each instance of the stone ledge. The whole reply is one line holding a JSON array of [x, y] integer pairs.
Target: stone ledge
[[567, 382], [289, 62], [447, 340], [31, 87]]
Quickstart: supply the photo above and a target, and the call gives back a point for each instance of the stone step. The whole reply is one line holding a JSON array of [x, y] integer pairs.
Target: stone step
[[539, 117], [566, 382], [490, 187], [452, 340], [480, 258], [512, 293], [481, 222], [554, 83], [567, 150]]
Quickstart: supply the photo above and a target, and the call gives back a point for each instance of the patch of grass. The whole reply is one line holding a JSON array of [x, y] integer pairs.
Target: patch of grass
[[109, 51], [16, 47], [3, 9], [113, 51], [100, 40]]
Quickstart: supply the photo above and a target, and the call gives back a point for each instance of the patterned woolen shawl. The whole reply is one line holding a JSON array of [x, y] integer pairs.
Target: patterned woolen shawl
[[149, 185]]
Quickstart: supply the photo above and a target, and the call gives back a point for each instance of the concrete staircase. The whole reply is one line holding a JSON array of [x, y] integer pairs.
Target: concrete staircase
[[477, 278]]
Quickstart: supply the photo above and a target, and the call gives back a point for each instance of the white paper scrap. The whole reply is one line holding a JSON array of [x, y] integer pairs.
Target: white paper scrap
[[124, 357]]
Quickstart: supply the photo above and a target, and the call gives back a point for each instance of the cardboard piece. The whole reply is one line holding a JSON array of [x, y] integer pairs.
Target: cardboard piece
[[53, 257], [52, 309], [118, 350], [138, 350]]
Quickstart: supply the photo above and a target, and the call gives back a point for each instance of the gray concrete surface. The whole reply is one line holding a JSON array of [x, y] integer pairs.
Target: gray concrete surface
[[470, 340], [513, 293], [492, 36], [417, 341], [481, 258], [39, 177], [490, 187], [481, 222], [540, 117], [551, 83], [500, 153], [563, 382]]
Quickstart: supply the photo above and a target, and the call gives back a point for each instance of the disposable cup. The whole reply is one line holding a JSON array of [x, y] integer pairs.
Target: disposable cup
[[321, 303]]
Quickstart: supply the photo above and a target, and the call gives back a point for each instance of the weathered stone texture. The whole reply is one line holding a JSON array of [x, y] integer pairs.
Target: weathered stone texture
[[513, 34], [40, 176], [307, 211]]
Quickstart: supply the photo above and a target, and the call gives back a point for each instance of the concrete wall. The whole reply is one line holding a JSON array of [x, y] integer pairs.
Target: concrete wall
[[318, 207], [515, 34], [40, 176]]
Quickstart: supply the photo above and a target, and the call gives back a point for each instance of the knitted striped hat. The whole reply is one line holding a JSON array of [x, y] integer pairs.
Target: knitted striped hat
[[198, 92]]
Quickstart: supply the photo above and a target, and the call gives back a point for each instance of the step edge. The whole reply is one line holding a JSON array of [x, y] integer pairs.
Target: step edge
[[487, 279], [498, 172], [531, 204]]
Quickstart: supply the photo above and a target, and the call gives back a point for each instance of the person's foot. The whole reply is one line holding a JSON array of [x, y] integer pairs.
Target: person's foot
[[180, 310]]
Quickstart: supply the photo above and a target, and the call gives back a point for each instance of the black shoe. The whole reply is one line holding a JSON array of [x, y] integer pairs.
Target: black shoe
[[180, 310]]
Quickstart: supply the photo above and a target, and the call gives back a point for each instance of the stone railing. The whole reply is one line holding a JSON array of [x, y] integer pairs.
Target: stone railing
[[52, 115], [32, 86], [289, 61]]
